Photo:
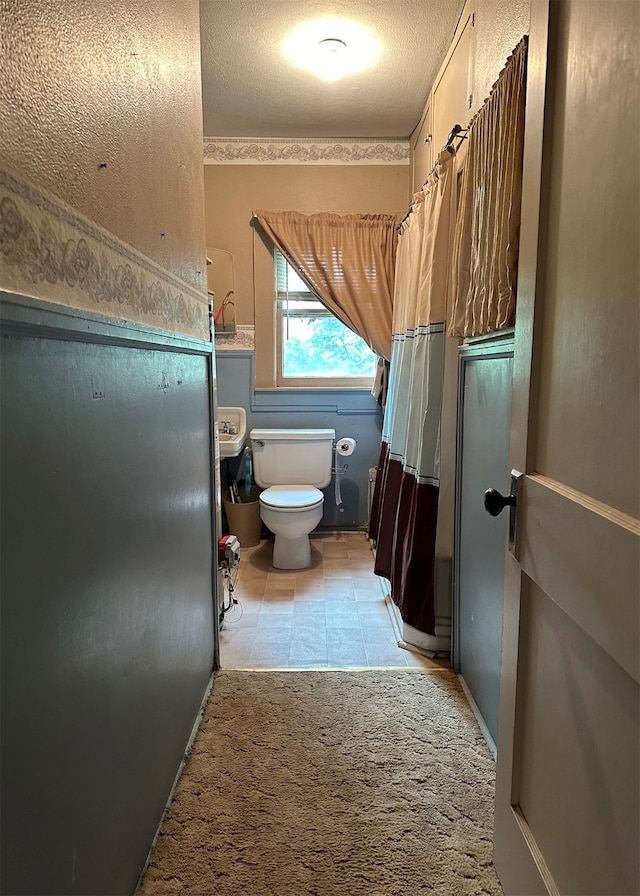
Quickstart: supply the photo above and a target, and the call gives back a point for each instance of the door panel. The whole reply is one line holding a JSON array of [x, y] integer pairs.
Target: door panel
[[572, 746], [567, 803], [590, 277], [585, 556]]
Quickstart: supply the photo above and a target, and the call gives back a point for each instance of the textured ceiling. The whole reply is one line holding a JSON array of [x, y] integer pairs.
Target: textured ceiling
[[251, 90]]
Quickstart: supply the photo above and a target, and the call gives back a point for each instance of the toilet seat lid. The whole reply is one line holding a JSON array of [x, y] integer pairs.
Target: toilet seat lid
[[291, 497]]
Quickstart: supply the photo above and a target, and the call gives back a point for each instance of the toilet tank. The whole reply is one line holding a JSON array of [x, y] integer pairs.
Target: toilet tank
[[292, 456]]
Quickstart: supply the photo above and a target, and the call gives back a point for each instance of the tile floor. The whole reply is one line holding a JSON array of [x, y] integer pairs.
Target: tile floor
[[331, 615]]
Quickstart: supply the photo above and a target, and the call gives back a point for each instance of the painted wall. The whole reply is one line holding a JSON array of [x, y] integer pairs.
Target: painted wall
[[107, 609], [100, 185], [89, 98], [108, 619], [232, 192], [499, 26]]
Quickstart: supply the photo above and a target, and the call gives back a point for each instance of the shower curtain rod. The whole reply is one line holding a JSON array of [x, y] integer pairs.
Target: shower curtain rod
[[457, 132]]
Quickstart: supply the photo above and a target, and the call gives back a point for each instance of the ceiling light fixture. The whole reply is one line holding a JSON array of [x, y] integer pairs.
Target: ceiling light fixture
[[331, 58], [333, 45], [332, 61]]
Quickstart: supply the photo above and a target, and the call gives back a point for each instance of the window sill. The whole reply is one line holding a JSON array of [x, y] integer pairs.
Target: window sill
[[327, 388]]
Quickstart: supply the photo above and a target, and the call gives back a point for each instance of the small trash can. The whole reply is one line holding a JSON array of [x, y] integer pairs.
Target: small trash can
[[244, 518]]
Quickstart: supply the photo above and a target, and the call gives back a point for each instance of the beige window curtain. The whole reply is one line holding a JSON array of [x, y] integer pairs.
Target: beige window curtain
[[485, 252], [348, 261]]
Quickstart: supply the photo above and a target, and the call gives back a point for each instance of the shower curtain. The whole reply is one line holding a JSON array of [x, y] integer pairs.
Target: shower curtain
[[405, 503]]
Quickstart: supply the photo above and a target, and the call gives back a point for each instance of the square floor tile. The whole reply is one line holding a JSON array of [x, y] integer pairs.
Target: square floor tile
[[309, 590], [310, 609], [339, 590], [353, 656], [342, 613], [336, 569], [344, 636]]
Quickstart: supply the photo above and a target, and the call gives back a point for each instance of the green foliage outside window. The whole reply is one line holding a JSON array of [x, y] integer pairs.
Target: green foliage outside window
[[323, 347]]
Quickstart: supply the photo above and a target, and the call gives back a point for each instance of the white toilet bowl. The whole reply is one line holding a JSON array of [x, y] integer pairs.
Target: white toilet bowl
[[291, 512]]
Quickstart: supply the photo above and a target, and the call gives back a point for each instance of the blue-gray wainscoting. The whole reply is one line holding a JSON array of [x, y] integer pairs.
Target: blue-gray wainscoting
[[108, 604], [352, 413]]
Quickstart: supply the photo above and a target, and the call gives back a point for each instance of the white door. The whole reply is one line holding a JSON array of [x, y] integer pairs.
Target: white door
[[567, 772]]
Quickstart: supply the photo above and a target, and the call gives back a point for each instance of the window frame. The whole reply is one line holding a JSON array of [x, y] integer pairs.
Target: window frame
[[310, 382]]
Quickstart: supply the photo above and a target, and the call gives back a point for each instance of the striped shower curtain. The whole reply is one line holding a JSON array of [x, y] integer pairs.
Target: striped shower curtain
[[405, 503]]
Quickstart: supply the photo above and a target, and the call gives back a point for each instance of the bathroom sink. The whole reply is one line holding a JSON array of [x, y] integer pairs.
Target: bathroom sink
[[232, 431]]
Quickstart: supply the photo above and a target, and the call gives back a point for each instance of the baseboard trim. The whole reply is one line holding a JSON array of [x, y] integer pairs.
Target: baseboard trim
[[481, 722]]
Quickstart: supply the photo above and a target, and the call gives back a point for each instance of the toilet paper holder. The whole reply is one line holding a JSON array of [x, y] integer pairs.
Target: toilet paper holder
[[343, 447]]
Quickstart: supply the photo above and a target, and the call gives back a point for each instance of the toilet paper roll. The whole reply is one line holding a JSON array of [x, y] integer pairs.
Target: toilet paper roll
[[345, 447]]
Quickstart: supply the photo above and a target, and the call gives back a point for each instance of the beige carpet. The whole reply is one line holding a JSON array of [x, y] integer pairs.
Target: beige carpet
[[373, 783]]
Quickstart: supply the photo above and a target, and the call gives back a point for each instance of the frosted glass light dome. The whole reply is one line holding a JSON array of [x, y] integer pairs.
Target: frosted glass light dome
[[331, 48]]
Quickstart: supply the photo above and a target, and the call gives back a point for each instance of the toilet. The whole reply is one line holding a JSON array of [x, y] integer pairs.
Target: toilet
[[292, 465]]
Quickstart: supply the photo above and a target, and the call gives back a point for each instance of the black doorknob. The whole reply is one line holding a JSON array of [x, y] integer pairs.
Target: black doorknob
[[494, 502]]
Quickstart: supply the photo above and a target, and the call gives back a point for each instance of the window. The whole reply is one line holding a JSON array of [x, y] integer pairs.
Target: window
[[314, 348]]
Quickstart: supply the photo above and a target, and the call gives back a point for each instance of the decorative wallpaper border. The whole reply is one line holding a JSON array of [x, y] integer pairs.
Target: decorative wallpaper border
[[50, 252], [243, 339], [282, 151]]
